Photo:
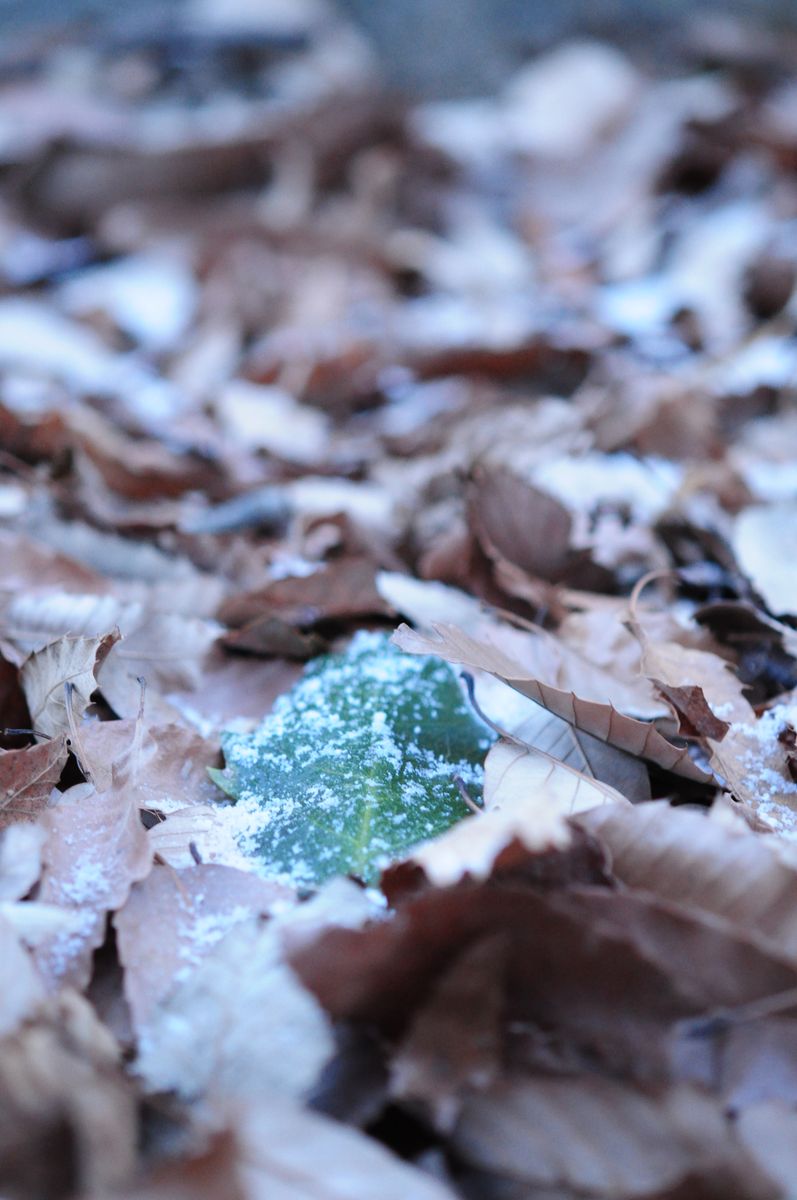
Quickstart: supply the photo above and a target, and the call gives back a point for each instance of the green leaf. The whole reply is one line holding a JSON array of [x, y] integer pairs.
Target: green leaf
[[355, 765]]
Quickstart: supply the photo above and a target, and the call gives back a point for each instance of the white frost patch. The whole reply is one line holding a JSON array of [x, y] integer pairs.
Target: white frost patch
[[150, 299], [764, 541], [268, 418], [764, 780], [240, 1024], [645, 485]]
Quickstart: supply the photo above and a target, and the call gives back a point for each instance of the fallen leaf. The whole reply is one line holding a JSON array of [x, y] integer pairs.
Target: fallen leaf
[[686, 859], [27, 778], [174, 918], [275, 1150], [599, 1137], [171, 774], [601, 720], [167, 651], [70, 660], [61, 1083], [23, 990], [96, 849], [240, 1025], [337, 591], [519, 523], [355, 765], [454, 1045], [588, 755], [764, 544]]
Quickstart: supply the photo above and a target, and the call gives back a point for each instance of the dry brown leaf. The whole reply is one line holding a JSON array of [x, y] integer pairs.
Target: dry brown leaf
[[70, 660], [275, 1150], [686, 859], [96, 849], [238, 1026], [528, 796], [599, 1137], [28, 564], [601, 720], [337, 591], [519, 523], [607, 973], [584, 753], [61, 1085], [754, 775], [172, 774], [174, 918], [167, 651], [27, 778], [454, 1044]]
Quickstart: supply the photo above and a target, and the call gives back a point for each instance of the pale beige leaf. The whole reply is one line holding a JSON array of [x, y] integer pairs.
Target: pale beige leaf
[[528, 797], [273, 1149], [165, 650], [62, 1072], [600, 719], [764, 541], [174, 918], [32, 620], [72, 660], [275, 1138], [240, 1025], [21, 987], [599, 1137], [196, 834], [20, 859], [516, 774], [96, 849], [681, 856]]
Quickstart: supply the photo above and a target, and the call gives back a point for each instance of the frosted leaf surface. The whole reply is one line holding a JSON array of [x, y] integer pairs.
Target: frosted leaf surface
[[355, 765]]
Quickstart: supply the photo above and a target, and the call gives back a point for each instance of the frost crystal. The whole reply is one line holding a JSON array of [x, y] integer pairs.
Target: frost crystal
[[355, 765]]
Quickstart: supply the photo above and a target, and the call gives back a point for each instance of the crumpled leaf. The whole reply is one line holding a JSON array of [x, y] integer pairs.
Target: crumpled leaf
[[355, 765], [528, 797], [69, 660], [601, 720], [738, 754]]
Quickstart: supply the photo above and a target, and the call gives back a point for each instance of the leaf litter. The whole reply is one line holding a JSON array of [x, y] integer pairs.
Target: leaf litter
[[287, 364]]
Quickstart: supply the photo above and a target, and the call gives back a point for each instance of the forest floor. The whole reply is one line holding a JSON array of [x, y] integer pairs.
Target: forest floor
[[306, 392]]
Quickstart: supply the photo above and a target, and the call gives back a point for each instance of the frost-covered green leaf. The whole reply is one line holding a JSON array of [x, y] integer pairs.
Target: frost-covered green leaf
[[355, 765]]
